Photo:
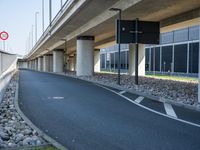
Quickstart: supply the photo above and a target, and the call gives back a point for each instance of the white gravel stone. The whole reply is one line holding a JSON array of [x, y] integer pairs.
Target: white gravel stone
[[14, 132]]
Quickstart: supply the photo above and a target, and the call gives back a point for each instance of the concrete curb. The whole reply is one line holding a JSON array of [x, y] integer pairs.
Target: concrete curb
[[155, 98], [40, 132], [27, 147]]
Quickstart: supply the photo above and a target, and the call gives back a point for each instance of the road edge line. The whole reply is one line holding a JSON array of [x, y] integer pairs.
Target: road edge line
[[32, 125], [149, 109]]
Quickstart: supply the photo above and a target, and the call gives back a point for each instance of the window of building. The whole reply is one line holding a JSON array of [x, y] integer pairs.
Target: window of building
[[123, 60], [112, 57], [181, 35], [103, 61], [166, 58], [180, 58], [193, 57], [194, 33], [147, 59], [167, 37]]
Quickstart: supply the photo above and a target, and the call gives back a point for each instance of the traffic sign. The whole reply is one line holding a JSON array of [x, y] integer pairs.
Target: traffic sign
[[4, 35]]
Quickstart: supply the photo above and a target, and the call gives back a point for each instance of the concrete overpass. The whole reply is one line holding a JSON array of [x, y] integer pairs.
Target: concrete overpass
[[88, 25]]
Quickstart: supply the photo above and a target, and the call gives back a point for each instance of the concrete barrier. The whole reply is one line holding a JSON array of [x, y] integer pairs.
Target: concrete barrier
[[8, 65]]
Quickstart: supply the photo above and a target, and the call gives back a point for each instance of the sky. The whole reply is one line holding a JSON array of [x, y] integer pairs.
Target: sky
[[17, 18]]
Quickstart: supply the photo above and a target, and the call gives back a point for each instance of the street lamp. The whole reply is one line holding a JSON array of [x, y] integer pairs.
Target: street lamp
[[119, 41], [32, 36], [36, 13], [43, 16], [61, 3], [50, 11]]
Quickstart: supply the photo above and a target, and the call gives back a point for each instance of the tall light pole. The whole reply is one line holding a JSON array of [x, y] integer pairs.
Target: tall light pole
[[61, 3], [32, 36], [50, 11], [42, 16], [36, 13], [119, 41]]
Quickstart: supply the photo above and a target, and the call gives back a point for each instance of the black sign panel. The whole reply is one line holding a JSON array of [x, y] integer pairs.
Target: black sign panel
[[148, 32], [125, 32]]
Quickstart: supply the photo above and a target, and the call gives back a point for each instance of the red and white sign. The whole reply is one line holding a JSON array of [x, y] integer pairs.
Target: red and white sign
[[4, 35]]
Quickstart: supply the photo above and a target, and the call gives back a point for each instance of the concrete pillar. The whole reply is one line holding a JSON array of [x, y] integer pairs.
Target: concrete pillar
[[58, 60], [32, 64], [141, 60], [51, 63], [46, 67], [40, 63], [29, 64], [85, 56], [97, 60], [36, 64]]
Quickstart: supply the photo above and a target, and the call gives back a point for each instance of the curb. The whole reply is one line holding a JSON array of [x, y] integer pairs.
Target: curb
[[40, 132], [27, 147], [154, 98]]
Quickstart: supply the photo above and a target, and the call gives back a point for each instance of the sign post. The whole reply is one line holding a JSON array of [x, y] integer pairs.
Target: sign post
[[136, 51], [4, 36], [137, 32]]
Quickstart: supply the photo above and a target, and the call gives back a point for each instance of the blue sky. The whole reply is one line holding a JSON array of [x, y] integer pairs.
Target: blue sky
[[17, 18]]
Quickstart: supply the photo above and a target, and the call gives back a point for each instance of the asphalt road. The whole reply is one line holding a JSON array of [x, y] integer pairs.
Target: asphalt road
[[83, 116]]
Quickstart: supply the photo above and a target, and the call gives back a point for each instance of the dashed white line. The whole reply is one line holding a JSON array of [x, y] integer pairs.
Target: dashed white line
[[139, 99], [122, 92], [169, 110]]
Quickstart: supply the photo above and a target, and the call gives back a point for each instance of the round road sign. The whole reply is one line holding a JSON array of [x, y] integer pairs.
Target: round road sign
[[4, 35]]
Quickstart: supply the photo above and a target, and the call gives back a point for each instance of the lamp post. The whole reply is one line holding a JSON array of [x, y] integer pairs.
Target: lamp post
[[43, 16], [50, 11], [65, 58], [61, 3], [32, 36], [36, 13], [119, 41]]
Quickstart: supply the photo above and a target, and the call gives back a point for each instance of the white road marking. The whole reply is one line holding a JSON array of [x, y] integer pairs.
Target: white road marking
[[122, 92], [169, 110], [149, 109], [139, 99]]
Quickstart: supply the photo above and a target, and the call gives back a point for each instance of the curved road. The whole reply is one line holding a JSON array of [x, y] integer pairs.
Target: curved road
[[83, 116]]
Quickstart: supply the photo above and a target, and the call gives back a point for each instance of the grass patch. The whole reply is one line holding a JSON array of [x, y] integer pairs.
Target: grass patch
[[47, 148], [176, 78]]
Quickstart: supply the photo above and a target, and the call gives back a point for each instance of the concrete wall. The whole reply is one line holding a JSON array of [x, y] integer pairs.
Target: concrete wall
[[22, 64], [8, 64]]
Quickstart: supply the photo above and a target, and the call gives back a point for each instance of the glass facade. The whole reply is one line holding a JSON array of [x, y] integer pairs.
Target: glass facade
[[177, 53]]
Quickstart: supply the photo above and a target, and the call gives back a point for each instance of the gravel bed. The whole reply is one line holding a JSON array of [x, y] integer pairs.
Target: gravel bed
[[185, 92], [14, 132]]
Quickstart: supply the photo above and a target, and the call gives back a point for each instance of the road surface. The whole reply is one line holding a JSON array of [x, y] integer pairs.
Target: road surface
[[83, 116]]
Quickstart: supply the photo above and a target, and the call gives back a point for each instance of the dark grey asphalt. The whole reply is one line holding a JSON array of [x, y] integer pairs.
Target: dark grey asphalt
[[92, 118]]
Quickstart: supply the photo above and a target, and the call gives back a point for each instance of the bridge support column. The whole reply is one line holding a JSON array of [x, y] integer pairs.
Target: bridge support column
[[46, 63], [40, 62], [85, 56], [29, 64], [51, 62], [33, 64], [72, 63], [141, 60], [36, 64], [97, 60], [58, 60]]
